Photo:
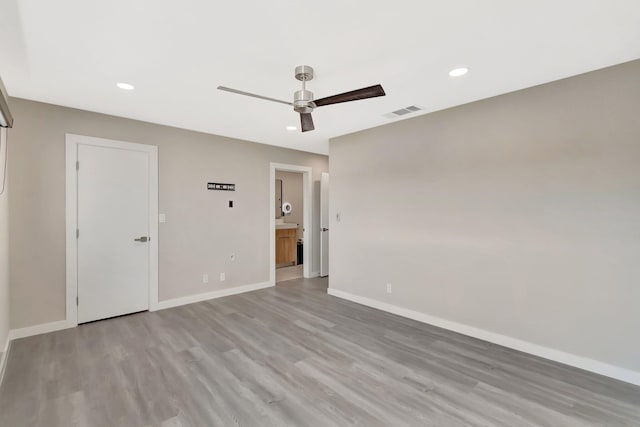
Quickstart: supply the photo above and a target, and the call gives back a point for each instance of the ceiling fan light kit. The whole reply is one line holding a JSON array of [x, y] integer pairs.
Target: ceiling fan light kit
[[303, 101]]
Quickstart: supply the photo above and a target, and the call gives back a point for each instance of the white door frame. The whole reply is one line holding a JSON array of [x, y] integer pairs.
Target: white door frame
[[71, 215], [324, 199], [307, 192]]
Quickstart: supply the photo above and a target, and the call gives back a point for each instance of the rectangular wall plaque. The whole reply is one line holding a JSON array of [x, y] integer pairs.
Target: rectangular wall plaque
[[223, 187]]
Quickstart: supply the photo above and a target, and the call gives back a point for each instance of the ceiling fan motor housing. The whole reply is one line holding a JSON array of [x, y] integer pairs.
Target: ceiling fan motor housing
[[303, 101]]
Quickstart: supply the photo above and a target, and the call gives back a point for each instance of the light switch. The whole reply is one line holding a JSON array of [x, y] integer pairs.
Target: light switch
[[162, 218]]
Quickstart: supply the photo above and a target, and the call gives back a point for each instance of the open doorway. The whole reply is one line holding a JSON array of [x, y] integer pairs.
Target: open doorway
[[289, 226], [290, 215]]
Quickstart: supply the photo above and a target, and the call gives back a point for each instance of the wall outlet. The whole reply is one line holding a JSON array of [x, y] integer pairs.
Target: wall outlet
[[389, 288], [222, 277], [205, 278], [232, 257], [338, 217]]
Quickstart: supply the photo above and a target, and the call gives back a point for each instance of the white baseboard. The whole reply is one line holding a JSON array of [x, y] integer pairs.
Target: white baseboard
[[64, 324], [212, 295], [314, 274], [40, 329], [587, 364]]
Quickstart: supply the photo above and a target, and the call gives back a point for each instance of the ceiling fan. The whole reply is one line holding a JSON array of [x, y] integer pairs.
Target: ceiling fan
[[303, 101]]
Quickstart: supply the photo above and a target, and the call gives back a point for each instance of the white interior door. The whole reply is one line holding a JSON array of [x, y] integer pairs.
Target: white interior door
[[324, 225], [113, 232]]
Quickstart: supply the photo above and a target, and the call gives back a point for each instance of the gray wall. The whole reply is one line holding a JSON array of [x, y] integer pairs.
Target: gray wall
[[199, 235], [4, 246], [293, 193], [519, 214]]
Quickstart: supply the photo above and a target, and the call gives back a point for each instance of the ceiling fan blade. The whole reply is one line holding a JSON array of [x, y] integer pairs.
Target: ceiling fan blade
[[306, 121], [239, 92], [354, 95]]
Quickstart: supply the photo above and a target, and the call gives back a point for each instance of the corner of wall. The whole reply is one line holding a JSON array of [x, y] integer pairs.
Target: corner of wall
[[4, 251]]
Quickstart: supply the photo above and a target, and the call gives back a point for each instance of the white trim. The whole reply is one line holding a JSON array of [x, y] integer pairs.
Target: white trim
[[43, 328], [72, 142], [154, 239], [190, 299], [71, 217], [314, 274], [324, 208], [591, 365], [307, 196]]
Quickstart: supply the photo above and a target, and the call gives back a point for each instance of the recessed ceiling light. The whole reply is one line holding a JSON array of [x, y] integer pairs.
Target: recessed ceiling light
[[292, 128], [125, 86], [457, 72]]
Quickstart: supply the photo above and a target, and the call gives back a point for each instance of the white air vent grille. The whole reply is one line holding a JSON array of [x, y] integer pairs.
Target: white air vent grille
[[402, 112]]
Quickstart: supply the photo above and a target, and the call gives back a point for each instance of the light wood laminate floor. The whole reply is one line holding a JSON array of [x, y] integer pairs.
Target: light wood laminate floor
[[292, 355]]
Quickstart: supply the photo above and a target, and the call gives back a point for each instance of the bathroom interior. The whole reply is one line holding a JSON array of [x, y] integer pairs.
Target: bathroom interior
[[289, 226]]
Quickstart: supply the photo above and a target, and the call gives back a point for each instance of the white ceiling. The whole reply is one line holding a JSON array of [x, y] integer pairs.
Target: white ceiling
[[72, 53]]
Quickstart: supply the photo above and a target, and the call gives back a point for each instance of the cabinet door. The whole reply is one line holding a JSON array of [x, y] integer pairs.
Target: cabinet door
[[281, 241], [289, 246], [286, 246]]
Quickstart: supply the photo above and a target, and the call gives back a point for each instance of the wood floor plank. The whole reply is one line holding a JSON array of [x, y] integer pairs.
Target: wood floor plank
[[293, 356]]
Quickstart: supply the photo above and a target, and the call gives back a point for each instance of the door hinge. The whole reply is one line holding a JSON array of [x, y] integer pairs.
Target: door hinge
[[77, 233], [77, 166], [77, 300]]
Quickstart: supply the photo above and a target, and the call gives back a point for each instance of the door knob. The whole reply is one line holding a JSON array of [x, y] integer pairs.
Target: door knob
[[325, 229], [142, 239]]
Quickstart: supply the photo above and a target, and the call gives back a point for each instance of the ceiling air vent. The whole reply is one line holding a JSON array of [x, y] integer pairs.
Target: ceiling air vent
[[402, 112]]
